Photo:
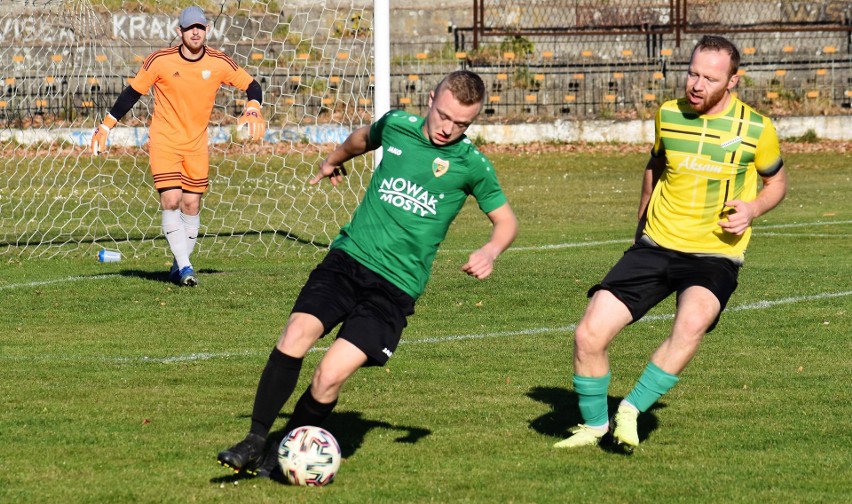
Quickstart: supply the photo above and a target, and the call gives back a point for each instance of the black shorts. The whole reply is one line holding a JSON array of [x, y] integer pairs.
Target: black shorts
[[647, 274], [373, 310]]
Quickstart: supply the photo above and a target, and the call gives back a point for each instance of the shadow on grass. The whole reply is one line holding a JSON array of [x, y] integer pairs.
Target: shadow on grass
[[160, 276], [564, 414], [349, 428]]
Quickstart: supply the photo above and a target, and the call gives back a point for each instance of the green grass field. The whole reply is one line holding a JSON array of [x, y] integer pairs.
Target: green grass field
[[119, 387]]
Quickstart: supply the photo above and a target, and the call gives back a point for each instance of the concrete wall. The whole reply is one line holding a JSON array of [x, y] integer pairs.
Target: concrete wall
[[829, 128]]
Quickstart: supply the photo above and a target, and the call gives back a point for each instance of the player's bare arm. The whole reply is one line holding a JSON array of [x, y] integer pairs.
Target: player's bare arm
[[480, 264], [357, 143], [744, 212]]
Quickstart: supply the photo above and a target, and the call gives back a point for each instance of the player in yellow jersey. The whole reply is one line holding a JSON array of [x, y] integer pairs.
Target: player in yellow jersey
[[185, 79], [699, 198]]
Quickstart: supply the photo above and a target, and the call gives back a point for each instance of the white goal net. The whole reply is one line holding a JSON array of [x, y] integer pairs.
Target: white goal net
[[64, 63]]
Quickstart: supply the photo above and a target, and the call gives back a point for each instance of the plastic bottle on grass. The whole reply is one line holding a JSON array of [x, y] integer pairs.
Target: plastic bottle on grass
[[106, 256]]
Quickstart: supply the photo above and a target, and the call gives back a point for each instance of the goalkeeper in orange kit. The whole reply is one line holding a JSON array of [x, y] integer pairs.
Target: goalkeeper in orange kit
[[185, 79]]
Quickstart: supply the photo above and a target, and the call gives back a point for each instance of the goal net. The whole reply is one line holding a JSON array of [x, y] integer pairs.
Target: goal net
[[64, 63]]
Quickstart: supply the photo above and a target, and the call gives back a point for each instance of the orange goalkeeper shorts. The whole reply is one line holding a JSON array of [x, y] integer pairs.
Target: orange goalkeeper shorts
[[180, 170]]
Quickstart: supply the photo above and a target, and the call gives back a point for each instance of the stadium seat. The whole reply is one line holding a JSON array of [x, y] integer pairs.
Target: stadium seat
[[413, 85]]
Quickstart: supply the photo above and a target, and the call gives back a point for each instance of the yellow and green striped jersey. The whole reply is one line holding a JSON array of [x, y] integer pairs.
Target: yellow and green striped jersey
[[710, 159]]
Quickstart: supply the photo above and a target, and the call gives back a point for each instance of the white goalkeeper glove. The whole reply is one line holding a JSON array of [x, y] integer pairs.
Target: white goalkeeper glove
[[99, 137]]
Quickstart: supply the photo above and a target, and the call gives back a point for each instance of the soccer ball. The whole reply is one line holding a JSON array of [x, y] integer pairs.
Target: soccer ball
[[309, 456]]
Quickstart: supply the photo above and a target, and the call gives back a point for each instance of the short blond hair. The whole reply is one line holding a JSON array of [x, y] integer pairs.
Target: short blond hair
[[465, 86]]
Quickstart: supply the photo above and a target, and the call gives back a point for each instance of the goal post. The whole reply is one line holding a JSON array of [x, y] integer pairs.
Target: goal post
[[63, 63]]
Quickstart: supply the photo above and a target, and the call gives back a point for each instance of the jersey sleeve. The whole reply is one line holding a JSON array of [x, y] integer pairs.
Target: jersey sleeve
[[378, 128], [767, 155], [486, 188], [658, 148], [238, 78], [145, 78]]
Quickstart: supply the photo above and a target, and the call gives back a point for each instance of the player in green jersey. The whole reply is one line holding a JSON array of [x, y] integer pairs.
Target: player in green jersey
[[699, 198], [380, 262]]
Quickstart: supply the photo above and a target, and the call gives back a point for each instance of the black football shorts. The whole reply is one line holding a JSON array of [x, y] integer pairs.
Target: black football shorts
[[372, 310], [647, 274]]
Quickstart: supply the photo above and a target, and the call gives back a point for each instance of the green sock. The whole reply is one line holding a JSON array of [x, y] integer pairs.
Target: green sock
[[653, 383], [591, 393]]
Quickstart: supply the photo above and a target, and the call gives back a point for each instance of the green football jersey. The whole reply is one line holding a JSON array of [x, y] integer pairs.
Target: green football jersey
[[710, 159], [414, 194]]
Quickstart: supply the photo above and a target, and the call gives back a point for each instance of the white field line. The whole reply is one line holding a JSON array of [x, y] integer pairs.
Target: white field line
[[758, 230], [194, 357], [58, 280], [441, 339], [516, 249]]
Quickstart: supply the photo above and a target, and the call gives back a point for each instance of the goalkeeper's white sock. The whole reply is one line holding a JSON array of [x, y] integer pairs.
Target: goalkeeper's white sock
[[191, 223], [176, 236]]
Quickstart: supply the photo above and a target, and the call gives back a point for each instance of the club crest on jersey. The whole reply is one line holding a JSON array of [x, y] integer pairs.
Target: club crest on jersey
[[205, 74], [440, 166]]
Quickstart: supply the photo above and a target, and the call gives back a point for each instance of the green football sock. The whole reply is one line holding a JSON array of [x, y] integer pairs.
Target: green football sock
[[653, 383], [591, 394]]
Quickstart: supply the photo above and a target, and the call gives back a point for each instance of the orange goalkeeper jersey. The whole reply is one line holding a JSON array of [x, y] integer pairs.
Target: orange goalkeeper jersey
[[184, 94]]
